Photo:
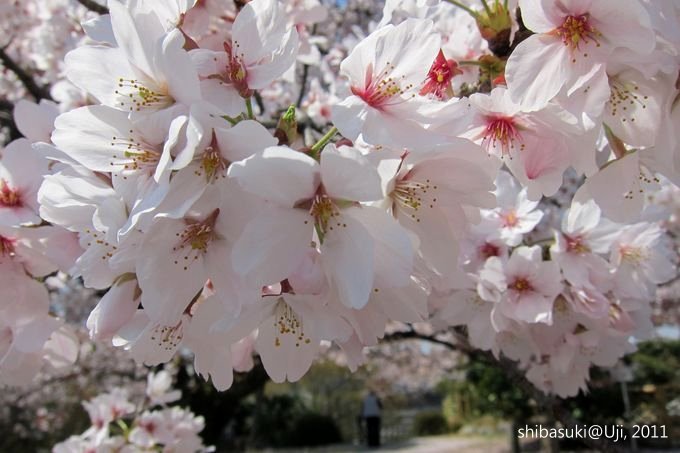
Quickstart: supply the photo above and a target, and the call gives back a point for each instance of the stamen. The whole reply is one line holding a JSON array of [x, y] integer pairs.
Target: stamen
[[136, 155], [383, 89], [501, 131], [521, 284], [632, 255], [9, 198], [510, 219], [213, 165], [625, 99], [645, 181], [96, 239], [236, 72], [325, 214], [413, 196], [575, 245], [438, 80], [576, 31], [134, 96], [287, 322], [168, 337], [195, 239]]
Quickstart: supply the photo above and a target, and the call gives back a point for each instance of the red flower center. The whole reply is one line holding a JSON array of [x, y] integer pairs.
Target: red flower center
[[521, 285], [510, 219], [237, 74], [501, 131], [9, 197], [488, 250], [439, 78], [575, 244], [6, 246], [380, 89], [577, 30]]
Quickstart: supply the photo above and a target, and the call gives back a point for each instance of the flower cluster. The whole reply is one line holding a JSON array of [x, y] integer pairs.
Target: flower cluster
[[561, 315], [120, 425], [29, 336], [205, 214]]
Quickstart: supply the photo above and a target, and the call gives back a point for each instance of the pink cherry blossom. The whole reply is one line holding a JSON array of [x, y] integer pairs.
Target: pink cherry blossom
[[572, 45]]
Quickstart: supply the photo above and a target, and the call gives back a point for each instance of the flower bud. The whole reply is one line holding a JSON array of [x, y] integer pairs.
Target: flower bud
[[286, 129], [494, 24]]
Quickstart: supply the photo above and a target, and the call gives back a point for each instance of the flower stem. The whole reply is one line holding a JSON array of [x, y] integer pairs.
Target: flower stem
[[470, 63], [466, 8], [541, 242], [232, 121], [486, 8], [323, 141], [319, 233], [124, 428], [249, 108]]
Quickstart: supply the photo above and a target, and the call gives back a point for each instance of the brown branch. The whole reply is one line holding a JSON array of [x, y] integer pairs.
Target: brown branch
[[303, 85], [7, 119], [94, 6], [259, 102], [415, 335], [305, 76], [522, 33], [31, 86], [548, 403]]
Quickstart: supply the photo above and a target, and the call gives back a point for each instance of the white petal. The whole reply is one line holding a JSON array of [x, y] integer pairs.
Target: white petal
[[348, 175], [272, 244], [278, 174], [243, 140], [537, 70], [393, 262], [347, 255]]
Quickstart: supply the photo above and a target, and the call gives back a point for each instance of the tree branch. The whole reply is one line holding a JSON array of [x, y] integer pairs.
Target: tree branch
[[7, 119], [259, 102], [31, 86], [94, 6], [415, 335], [303, 85]]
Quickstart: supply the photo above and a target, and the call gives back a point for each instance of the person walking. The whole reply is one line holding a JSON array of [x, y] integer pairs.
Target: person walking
[[371, 413]]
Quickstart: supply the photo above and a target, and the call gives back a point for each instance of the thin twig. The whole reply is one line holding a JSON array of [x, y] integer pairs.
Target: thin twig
[[31, 86], [7, 119], [415, 335], [259, 102], [305, 76], [94, 6], [303, 85]]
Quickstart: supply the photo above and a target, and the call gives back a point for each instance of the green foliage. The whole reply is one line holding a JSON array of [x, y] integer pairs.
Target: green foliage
[[657, 362], [429, 423], [331, 390], [312, 429], [283, 421], [274, 419], [486, 390]]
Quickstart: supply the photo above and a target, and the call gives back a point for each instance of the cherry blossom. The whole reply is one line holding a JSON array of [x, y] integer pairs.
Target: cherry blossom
[[261, 49], [306, 196], [21, 172], [385, 73], [524, 288], [276, 178], [573, 43], [515, 215]]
